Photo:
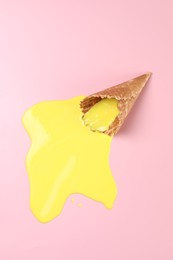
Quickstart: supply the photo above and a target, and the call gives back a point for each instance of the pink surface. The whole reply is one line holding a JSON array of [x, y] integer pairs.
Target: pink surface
[[59, 49]]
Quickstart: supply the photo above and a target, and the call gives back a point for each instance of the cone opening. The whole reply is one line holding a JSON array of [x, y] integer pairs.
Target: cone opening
[[100, 113]]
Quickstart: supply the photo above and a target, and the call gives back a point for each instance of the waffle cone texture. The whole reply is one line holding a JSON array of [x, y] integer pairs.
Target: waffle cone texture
[[125, 93]]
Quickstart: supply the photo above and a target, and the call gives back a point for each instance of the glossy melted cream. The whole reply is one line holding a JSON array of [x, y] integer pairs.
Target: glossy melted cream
[[66, 157]]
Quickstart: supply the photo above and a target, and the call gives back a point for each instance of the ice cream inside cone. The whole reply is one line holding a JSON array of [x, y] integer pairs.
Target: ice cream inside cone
[[70, 147], [101, 115]]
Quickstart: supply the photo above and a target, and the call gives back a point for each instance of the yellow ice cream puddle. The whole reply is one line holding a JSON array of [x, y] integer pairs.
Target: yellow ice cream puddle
[[66, 157]]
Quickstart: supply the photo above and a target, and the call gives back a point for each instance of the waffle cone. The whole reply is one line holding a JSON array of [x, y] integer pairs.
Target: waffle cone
[[125, 93]]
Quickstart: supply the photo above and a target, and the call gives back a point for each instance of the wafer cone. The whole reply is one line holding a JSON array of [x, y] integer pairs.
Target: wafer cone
[[125, 93]]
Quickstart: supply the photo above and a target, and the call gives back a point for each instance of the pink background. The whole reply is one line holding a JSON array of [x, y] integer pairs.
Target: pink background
[[59, 49]]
